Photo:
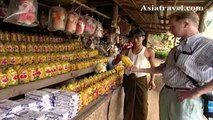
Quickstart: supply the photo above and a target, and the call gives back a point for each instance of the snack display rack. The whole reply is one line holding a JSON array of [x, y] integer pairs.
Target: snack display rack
[[23, 88]]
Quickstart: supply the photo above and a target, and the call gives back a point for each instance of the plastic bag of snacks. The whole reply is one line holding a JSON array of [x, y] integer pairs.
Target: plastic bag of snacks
[[89, 25], [3, 9], [99, 30], [22, 12], [57, 19], [80, 26], [72, 20]]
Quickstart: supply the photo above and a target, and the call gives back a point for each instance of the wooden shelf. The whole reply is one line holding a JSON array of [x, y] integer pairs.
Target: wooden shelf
[[23, 88]]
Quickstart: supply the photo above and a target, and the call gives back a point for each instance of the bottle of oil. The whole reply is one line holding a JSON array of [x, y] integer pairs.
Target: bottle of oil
[[126, 60]]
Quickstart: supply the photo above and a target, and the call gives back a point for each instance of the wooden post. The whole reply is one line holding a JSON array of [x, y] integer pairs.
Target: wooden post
[[115, 15], [201, 23], [145, 41]]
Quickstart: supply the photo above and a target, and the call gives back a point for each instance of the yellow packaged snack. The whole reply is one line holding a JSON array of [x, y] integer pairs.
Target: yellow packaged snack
[[15, 48], [67, 66], [32, 58], [6, 36], [30, 48], [3, 80], [3, 59], [1, 36], [19, 38], [40, 71], [11, 59], [14, 59], [22, 48], [35, 48], [39, 48], [126, 60], [8, 47], [23, 74], [47, 70], [72, 87], [13, 37], [48, 57], [25, 59], [53, 69], [2, 49], [72, 66], [59, 68], [32, 72], [12, 76], [18, 59]]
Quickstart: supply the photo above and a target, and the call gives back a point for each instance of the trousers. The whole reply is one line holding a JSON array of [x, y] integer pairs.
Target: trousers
[[136, 97]]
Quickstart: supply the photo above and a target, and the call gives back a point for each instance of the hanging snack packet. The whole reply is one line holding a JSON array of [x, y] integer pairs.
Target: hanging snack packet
[[22, 12], [57, 19], [72, 20]]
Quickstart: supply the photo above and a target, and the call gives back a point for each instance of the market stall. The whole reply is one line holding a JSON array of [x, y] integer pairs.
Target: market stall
[[48, 68]]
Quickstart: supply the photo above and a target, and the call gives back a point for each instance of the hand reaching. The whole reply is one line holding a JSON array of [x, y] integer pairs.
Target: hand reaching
[[151, 85], [187, 94]]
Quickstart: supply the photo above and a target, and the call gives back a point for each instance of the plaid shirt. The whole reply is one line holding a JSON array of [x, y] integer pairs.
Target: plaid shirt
[[194, 56]]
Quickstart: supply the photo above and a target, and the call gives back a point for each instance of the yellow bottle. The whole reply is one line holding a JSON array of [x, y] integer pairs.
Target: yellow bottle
[[126, 60]]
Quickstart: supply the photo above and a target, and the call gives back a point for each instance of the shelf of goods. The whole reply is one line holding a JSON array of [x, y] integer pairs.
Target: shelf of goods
[[97, 96], [107, 106], [23, 88]]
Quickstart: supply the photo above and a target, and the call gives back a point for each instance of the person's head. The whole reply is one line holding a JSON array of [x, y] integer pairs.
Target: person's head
[[136, 36], [183, 23]]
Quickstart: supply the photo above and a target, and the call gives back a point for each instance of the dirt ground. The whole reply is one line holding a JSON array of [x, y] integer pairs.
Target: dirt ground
[[153, 99]]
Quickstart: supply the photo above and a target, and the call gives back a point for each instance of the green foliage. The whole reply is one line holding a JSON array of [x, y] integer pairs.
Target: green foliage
[[156, 37], [162, 54]]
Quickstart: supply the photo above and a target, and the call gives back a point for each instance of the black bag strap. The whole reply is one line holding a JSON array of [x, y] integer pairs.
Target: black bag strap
[[176, 55], [192, 80]]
